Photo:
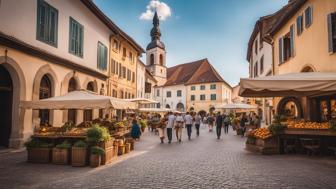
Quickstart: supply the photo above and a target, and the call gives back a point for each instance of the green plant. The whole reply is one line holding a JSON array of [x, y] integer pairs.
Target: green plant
[[64, 145], [67, 126], [119, 124], [143, 123], [36, 143], [80, 144], [277, 127], [97, 150], [98, 134]]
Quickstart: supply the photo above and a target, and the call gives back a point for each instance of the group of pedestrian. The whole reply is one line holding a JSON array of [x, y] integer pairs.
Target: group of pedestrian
[[252, 119], [177, 122]]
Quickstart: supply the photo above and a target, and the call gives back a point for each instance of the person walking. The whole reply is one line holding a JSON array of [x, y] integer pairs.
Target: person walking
[[179, 126], [188, 122], [197, 120], [161, 128], [226, 123], [243, 121], [210, 121], [170, 125], [219, 124], [135, 130], [205, 121]]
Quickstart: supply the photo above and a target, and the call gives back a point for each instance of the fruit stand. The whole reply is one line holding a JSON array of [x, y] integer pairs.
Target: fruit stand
[[89, 142]]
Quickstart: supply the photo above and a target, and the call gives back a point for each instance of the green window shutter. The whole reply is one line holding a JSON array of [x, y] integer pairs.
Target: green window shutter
[[80, 38], [105, 58], [330, 33], [281, 55], [292, 41], [46, 23], [299, 25]]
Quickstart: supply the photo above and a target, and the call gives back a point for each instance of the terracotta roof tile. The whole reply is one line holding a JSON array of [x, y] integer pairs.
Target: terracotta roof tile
[[200, 71]]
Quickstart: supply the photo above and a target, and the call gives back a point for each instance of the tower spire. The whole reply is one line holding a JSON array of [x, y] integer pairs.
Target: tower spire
[[155, 32]]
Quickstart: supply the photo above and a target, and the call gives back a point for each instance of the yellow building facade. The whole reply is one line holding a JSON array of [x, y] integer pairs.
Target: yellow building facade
[[306, 43], [205, 96], [123, 68]]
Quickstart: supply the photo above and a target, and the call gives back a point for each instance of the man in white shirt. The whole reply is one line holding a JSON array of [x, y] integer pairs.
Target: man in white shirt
[[170, 125], [179, 126], [197, 119], [188, 122]]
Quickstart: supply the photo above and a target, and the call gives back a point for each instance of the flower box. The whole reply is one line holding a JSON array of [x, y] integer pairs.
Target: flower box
[[60, 156], [78, 156]]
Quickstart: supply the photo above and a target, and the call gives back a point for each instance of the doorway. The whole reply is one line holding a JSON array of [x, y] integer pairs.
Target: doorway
[[6, 103]]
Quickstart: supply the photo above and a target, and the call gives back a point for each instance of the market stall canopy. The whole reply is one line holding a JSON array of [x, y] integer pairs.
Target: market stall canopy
[[155, 110], [79, 100], [235, 106], [143, 101], [293, 84]]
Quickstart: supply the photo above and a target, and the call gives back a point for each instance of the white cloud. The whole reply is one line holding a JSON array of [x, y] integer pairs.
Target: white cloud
[[162, 9]]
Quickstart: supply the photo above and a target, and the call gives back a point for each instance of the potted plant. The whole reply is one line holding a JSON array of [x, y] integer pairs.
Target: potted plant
[[38, 151], [78, 154], [95, 157], [61, 152], [120, 126]]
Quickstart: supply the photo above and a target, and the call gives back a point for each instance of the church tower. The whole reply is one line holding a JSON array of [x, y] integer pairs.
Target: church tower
[[156, 54]]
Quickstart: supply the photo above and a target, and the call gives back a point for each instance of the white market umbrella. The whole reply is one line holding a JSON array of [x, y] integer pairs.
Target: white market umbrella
[[292, 84], [143, 101], [78, 100], [155, 110], [235, 106]]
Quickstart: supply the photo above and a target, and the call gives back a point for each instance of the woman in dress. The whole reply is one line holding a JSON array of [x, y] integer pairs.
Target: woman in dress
[[135, 130]]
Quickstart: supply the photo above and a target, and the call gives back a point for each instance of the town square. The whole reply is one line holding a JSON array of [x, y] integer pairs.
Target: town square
[[167, 94]]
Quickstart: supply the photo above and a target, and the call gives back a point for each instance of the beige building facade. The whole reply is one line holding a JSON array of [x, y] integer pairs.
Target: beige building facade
[[306, 43]]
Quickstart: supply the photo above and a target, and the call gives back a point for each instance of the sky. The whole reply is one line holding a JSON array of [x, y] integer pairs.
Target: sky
[[195, 29]]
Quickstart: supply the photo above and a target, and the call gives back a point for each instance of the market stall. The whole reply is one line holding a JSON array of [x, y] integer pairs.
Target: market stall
[[100, 137], [307, 105]]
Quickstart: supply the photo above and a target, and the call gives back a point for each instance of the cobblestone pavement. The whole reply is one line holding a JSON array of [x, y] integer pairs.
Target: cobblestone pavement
[[203, 162]]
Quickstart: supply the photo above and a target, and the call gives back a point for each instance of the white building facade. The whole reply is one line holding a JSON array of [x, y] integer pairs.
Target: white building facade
[[50, 48]]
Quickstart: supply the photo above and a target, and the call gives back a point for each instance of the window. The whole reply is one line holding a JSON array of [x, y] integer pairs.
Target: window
[[286, 46], [102, 56], [45, 92], [260, 42], [130, 57], [158, 92], [255, 69], [113, 63], [178, 93], [332, 32], [152, 59], [115, 45], [148, 87], [202, 97], [213, 96], [76, 38], [299, 25], [192, 88], [124, 52], [47, 22], [192, 97], [213, 86], [261, 64], [308, 16], [168, 94], [202, 87], [161, 59], [256, 46], [133, 77], [124, 72], [129, 74]]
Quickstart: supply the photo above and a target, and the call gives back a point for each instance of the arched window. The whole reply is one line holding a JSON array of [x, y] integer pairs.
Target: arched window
[[307, 69], [72, 112], [152, 59], [45, 92], [161, 59], [88, 113]]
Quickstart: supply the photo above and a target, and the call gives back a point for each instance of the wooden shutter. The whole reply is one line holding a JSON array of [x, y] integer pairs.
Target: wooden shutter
[[105, 58], [292, 41], [80, 38], [281, 52], [330, 34]]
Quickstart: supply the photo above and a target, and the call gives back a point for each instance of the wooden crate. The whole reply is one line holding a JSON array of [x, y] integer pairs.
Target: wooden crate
[[60, 156], [127, 148], [78, 156], [121, 150], [39, 155]]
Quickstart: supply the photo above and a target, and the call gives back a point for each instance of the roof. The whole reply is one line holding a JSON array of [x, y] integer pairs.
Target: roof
[[148, 74], [110, 24], [269, 24], [200, 71], [155, 43]]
